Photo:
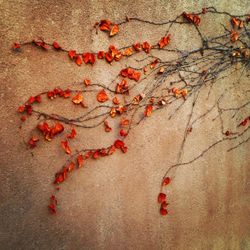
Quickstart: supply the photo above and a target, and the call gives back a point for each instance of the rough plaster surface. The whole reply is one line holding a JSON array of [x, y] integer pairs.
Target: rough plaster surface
[[111, 203]]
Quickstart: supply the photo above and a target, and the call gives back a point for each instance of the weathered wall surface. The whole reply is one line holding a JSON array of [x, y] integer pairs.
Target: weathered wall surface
[[110, 204]]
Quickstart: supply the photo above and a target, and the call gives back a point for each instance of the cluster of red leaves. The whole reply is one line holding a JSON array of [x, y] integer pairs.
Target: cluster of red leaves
[[80, 159], [58, 92], [112, 54], [65, 144], [107, 26], [192, 18], [131, 74], [122, 87], [162, 197], [117, 110], [27, 107], [53, 204], [87, 58], [50, 132]]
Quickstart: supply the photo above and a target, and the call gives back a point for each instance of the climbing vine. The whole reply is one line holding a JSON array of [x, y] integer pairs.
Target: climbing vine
[[135, 94]]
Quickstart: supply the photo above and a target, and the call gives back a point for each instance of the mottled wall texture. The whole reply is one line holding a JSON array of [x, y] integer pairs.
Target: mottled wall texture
[[111, 203]]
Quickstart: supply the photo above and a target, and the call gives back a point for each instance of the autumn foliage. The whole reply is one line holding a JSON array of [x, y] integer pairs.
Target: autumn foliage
[[121, 102]]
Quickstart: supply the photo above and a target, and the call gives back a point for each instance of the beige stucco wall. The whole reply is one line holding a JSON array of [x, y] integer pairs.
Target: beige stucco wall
[[110, 204]]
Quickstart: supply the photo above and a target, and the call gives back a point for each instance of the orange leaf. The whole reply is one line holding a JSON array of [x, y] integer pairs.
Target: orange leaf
[[78, 61], [164, 41], [234, 36], [107, 127], [78, 98], [148, 110], [146, 47], [66, 147], [116, 101], [114, 30], [128, 52], [102, 96], [111, 150], [124, 122], [137, 47], [105, 25], [86, 82], [153, 64]]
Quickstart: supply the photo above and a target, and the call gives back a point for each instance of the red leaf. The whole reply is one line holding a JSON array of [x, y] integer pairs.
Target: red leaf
[[164, 204], [56, 46], [102, 96], [161, 197], [52, 208], [16, 46], [21, 109], [123, 133], [56, 129], [108, 56], [192, 18], [72, 134], [105, 25], [72, 54], [101, 54], [70, 167], [137, 47], [38, 98], [146, 47], [120, 145], [31, 100], [163, 211], [32, 141], [244, 122], [166, 181], [66, 147], [96, 154]]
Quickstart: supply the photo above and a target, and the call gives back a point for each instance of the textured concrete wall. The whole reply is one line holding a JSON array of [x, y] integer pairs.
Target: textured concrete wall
[[110, 204]]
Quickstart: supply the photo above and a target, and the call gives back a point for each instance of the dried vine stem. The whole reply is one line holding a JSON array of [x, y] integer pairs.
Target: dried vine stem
[[155, 85]]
